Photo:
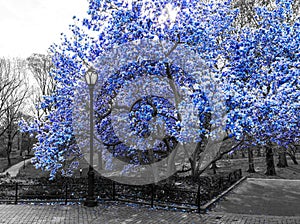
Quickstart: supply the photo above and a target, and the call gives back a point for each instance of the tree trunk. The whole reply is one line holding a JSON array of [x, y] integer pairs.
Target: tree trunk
[[193, 160], [263, 152], [258, 152], [270, 161], [282, 161], [9, 146], [100, 165], [251, 162], [243, 153], [20, 143], [193, 166], [8, 160], [291, 151], [293, 157], [214, 167], [8, 151], [29, 148]]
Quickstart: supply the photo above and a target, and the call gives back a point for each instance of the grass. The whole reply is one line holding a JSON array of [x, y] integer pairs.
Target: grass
[[31, 172]]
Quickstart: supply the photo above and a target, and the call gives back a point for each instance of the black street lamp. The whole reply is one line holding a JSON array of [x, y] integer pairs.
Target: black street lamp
[[91, 78], [24, 158]]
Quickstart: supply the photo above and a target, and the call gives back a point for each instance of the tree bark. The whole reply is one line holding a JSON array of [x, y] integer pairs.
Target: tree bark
[[291, 151], [293, 157], [250, 161], [8, 151], [214, 167], [100, 165], [9, 145], [270, 161], [193, 167], [243, 153], [193, 160], [282, 161], [258, 152], [20, 139], [8, 160]]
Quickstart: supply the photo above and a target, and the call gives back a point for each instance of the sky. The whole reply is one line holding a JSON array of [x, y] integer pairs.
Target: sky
[[31, 26]]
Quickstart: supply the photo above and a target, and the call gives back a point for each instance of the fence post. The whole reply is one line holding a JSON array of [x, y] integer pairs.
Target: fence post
[[114, 191], [16, 193], [66, 193], [198, 198], [152, 195]]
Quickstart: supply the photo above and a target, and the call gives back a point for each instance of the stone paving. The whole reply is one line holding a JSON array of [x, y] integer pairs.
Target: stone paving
[[252, 202], [274, 197], [122, 214]]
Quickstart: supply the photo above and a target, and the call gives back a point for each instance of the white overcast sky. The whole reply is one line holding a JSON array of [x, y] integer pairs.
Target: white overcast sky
[[31, 26]]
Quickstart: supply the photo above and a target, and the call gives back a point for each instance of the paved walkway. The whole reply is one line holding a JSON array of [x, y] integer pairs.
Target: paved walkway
[[255, 201], [14, 170], [254, 196], [122, 214]]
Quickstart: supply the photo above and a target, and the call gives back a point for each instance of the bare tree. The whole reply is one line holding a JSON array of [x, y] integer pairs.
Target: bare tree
[[40, 66], [13, 93], [247, 8]]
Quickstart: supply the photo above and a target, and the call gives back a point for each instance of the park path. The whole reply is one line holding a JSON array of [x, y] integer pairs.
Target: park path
[[254, 201], [14, 170], [255, 196], [124, 214]]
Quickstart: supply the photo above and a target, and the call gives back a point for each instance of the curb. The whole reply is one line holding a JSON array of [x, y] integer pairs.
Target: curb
[[205, 207]]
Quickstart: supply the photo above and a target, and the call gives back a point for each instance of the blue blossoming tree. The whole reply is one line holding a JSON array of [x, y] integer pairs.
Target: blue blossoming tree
[[174, 76], [263, 72]]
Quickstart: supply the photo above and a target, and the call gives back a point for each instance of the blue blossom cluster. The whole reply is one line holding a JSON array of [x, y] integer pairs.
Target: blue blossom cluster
[[259, 76]]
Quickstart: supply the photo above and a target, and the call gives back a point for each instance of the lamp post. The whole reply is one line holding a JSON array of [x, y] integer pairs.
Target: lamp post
[[91, 78], [24, 157]]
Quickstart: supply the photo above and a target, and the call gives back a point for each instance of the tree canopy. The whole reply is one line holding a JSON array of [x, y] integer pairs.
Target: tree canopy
[[182, 72]]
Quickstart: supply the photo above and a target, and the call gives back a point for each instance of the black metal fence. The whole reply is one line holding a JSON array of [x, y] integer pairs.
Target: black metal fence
[[108, 190]]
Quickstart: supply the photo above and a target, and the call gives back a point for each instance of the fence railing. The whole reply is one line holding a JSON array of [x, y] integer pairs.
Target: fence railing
[[109, 190]]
